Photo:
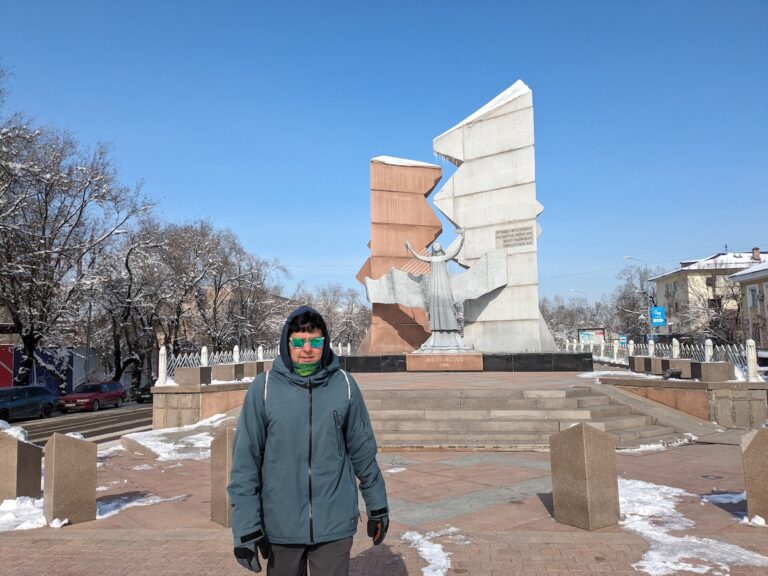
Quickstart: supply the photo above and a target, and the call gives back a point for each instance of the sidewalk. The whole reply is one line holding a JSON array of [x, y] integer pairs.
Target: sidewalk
[[487, 513]]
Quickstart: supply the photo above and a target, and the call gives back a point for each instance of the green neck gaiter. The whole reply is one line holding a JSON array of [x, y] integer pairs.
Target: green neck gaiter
[[305, 370]]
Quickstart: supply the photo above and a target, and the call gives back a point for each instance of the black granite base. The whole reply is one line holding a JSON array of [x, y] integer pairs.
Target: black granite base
[[544, 362]]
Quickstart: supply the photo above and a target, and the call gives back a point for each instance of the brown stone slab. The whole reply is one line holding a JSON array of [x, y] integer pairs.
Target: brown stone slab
[[250, 369], [754, 450], [444, 362], [585, 488], [664, 396], [70, 479], [682, 364], [693, 402], [712, 371], [228, 372], [656, 366], [192, 376], [221, 466], [20, 468]]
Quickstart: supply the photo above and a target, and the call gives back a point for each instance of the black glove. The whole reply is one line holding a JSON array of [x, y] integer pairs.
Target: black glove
[[246, 553], [377, 528]]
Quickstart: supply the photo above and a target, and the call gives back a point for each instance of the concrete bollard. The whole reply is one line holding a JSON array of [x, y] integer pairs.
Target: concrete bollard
[[631, 348], [675, 348], [651, 348], [615, 350], [70, 479], [709, 350], [20, 471], [260, 353], [204, 356], [162, 367], [752, 375], [236, 354]]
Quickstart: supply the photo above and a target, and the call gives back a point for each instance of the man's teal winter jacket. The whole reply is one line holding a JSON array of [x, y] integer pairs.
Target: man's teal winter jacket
[[299, 444]]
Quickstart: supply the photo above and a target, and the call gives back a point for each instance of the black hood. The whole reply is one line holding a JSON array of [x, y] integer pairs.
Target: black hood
[[285, 353]]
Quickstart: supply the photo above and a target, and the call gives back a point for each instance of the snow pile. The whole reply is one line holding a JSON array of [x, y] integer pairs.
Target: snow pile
[[24, 513], [143, 467], [109, 506], [172, 444], [16, 431], [649, 511], [618, 373], [438, 561], [394, 470], [756, 521], [76, 435]]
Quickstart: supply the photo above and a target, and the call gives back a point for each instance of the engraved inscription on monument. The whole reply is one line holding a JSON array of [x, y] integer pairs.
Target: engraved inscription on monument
[[514, 237]]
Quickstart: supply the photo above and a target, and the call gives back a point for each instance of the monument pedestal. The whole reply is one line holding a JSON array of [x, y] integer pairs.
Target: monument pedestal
[[444, 362]]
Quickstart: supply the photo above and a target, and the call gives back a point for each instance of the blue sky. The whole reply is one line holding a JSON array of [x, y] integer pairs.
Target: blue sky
[[651, 117]]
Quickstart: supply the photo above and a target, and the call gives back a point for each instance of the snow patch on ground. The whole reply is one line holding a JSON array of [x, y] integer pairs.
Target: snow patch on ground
[[394, 470], [438, 560], [109, 506], [725, 498], [75, 435], [756, 521], [16, 431], [649, 511], [659, 446], [24, 513], [143, 467], [618, 373], [170, 444]]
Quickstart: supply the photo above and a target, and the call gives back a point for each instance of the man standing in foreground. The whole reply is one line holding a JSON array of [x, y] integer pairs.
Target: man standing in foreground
[[302, 438]]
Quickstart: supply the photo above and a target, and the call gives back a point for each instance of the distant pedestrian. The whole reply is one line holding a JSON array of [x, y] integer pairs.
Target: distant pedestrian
[[303, 436]]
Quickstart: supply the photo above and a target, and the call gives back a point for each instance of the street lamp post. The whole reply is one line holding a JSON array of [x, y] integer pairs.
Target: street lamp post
[[645, 291]]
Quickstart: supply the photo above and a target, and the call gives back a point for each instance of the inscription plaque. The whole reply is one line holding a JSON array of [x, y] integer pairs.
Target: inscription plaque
[[514, 237]]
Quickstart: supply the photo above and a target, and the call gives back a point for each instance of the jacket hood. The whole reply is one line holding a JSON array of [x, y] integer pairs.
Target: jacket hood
[[285, 354]]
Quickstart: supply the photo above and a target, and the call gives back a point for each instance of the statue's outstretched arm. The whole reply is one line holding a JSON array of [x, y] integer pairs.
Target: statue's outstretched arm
[[460, 232], [415, 255]]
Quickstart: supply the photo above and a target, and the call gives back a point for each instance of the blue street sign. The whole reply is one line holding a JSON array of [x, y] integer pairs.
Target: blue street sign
[[623, 340], [658, 316]]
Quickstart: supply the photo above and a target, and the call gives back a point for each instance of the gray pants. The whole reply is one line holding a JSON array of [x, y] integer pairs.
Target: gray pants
[[326, 559]]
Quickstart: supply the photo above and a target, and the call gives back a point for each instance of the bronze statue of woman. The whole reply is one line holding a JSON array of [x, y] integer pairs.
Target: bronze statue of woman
[[440, 302]]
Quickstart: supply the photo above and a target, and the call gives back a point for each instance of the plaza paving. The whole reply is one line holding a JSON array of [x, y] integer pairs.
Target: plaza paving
[[490, 512]]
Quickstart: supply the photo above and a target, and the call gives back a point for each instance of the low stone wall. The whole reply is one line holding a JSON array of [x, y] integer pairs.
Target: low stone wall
[[195, 399], [730, 404]]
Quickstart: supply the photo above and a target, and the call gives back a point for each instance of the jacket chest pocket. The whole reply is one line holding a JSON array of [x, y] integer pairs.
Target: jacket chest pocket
[[338, 423]]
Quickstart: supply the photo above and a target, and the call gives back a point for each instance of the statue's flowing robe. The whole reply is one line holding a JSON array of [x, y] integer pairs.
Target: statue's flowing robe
[[442, 314]]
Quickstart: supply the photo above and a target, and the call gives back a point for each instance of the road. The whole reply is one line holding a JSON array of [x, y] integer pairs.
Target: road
[[104, 426]]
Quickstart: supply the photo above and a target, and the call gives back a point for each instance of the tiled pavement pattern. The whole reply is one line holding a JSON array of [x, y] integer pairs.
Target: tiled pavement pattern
[[498, 501]]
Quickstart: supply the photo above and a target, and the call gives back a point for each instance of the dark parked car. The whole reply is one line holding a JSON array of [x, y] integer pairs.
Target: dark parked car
[[93, 396], [144, 393], [26, 402]]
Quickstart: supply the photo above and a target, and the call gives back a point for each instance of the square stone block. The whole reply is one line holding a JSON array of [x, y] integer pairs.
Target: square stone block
[[712, 371], [693, 402], [585, 488], [20, 469], [444, 362], [754, 452], [228, 372], [192, 376], [250, 369], [221, 465], [656, 366], [70, 479], [681, 364]]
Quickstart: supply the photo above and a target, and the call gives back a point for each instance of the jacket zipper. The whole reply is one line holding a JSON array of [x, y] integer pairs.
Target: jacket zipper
[[309, 467]]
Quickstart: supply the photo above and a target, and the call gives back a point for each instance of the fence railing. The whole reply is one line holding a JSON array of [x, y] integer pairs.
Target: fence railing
[[611, 352], [204, 358]]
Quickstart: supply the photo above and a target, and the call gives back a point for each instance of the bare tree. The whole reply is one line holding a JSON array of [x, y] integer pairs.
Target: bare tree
[[66, 206]]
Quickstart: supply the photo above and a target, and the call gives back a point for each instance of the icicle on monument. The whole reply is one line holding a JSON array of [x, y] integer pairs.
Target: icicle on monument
[[491, 199]]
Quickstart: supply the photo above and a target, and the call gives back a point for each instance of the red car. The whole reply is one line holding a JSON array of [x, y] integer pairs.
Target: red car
[[93, 396]]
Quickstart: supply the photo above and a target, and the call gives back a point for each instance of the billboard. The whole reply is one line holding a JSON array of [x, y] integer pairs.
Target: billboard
[[591, 335]]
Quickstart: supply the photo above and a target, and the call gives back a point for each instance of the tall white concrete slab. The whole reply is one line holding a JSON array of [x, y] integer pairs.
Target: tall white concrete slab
[[492, 196]]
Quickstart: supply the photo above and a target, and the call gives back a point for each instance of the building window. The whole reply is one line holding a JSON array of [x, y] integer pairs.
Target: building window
[[710, 281], [753, 301], [714, 303]]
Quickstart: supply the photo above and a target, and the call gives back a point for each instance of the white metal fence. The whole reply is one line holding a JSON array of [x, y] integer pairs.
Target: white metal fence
[[613, 352]]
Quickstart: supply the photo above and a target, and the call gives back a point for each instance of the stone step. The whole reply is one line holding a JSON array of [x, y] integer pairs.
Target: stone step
[[666, 439], [477, 393], [643, 432], [427, 414], [533, 426], [444, 438], [396, 402]]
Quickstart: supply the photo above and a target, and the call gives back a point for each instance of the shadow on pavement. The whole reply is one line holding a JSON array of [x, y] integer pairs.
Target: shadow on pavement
[[546, 500], [379, 560]]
